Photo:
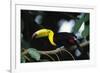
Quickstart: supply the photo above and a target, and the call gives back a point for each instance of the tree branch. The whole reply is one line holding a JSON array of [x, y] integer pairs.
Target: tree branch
[[62, 49], [58, 49]]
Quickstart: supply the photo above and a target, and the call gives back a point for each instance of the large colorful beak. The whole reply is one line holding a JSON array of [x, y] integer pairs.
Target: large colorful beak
[[40, 33], [45, 33]]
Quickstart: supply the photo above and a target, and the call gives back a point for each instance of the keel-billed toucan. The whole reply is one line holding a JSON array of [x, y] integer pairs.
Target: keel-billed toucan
[[57, 39]]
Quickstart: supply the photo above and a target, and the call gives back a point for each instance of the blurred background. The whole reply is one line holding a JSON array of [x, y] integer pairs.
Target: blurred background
[[66, 27]]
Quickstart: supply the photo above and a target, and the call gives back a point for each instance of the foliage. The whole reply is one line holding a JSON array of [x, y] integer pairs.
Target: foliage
[[34, 53], [78, 24]]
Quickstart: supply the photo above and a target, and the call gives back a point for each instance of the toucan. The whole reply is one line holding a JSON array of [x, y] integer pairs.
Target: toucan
[[57, 39]]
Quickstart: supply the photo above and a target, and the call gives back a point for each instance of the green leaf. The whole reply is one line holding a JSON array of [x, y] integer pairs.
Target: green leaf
[[34, 53], [78, 24], [86, 31]]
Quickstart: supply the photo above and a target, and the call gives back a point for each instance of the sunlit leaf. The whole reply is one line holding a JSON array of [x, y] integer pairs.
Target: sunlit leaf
[[78, 24], [34, 53], [86, 31]]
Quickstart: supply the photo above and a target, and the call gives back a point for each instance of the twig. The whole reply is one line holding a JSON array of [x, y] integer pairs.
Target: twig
[[50, 57], [81, 45], [69, 54], [26, 58], [57, 56], [50, 52]]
